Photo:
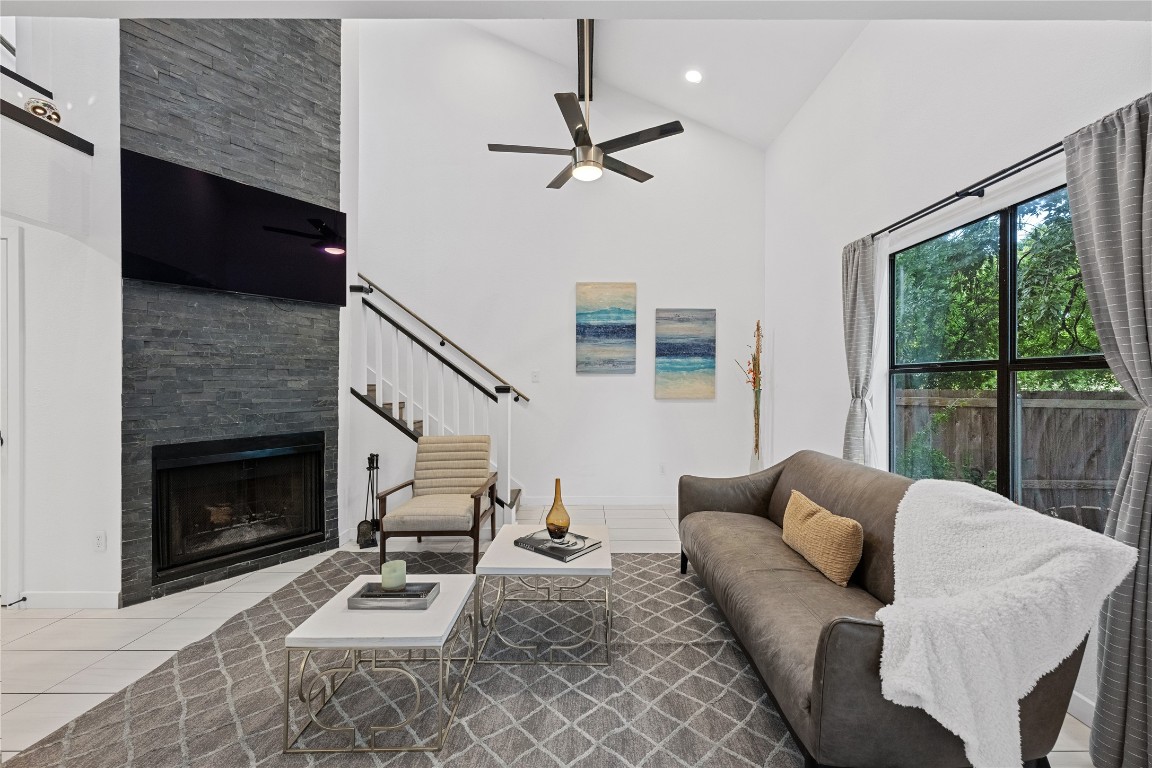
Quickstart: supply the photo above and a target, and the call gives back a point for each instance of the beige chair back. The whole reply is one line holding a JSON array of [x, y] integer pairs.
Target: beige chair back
[[451, 464]]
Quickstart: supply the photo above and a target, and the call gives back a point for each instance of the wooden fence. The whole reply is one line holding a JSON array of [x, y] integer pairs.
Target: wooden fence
[[1072, 443]]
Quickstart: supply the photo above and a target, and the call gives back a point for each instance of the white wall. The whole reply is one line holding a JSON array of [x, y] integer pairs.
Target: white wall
[[68, 205], [474, 242], [914, 111]]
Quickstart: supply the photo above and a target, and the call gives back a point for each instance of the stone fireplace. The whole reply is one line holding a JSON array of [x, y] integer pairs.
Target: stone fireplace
[[209, 367], [221, 502]]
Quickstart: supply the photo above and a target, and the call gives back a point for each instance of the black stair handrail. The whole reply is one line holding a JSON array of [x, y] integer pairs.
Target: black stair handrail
[[431, 350], [443, 339]]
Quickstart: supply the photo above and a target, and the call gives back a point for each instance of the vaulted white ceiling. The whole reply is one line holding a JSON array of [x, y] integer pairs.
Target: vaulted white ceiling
[[757, 74]]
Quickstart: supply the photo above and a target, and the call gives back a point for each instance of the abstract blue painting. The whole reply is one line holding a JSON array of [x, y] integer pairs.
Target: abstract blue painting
[[605, 327], [685, 354]]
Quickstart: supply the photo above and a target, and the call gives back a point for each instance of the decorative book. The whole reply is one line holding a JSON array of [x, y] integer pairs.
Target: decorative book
[[572, 546], [415, 596]]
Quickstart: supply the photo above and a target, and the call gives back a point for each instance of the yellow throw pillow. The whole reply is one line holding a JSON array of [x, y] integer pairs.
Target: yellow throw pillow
[[830, 542]]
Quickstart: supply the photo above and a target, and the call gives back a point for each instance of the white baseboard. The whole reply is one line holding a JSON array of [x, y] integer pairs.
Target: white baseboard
[[1082, 708], [76, 600], [347, 535], [602, 501]]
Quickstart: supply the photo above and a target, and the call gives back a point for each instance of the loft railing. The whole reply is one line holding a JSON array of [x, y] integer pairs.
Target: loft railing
[[444, 340], [427, 388]]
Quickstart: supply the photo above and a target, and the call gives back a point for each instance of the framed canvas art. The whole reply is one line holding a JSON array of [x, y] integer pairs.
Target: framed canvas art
[[685, 354], [606, 328]]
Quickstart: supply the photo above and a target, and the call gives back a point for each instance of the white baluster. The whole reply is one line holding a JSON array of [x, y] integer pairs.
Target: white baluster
[[456, 403], [444, 412], [427, 372], [379, 399], [395, 371], [503, 412], [408, 417], [362, 370]]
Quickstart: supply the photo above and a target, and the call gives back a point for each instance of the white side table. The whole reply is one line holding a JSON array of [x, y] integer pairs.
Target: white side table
[[511, 564], [386, 642]]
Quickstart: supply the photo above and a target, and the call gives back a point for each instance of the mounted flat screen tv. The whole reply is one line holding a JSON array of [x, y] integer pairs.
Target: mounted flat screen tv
[[192, 228]]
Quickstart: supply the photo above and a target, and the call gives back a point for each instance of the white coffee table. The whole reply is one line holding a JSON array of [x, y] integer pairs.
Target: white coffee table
[[505, 561], [387, 641]]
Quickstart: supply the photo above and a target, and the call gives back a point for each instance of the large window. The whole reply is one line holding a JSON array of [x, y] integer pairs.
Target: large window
[[997, 377]]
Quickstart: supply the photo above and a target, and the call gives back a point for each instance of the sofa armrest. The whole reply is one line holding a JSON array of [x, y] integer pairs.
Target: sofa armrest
[[748, 494], [847, 703]]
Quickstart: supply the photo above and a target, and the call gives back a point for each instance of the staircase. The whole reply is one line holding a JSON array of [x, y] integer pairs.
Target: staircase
[[423, 383]]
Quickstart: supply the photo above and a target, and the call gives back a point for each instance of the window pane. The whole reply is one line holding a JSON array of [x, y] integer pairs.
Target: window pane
[[944, 426], [1073, 429], [1052, 316], [946, 296]]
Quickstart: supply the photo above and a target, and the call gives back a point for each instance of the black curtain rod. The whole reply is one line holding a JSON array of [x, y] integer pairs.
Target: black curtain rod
[[976, 189]]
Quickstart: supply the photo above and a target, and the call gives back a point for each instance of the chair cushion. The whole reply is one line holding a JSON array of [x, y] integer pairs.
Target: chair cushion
[[433, 512], [451, 464], [830, 542]]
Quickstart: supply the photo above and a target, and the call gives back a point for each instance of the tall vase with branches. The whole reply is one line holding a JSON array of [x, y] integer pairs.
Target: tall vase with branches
[[752, 376]]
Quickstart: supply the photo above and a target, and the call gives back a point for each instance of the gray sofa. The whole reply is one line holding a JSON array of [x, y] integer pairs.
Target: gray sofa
[[815, 645]]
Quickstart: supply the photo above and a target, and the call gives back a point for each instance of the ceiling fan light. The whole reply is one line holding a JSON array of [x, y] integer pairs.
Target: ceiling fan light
[[587, 171]]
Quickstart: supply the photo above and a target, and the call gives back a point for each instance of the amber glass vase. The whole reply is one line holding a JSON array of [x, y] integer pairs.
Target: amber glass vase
[[558, 520]]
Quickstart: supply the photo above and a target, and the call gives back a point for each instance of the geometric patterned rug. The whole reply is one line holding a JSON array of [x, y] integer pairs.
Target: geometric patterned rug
[[678, 691]]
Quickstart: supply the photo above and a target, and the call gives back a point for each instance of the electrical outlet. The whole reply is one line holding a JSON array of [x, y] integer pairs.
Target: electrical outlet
[[535, 375], [101, 541]]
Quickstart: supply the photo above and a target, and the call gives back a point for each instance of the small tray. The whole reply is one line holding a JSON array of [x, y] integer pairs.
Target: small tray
[[415, 596]]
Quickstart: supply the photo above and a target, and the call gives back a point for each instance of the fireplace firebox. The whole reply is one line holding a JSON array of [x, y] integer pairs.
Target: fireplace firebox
[[221, 502]]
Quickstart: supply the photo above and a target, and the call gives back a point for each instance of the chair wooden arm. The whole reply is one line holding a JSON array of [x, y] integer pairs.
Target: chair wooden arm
[[489, 483], [395, 488]]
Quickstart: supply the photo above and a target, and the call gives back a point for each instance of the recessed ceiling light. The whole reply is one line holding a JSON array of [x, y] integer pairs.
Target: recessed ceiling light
[[693, 76]]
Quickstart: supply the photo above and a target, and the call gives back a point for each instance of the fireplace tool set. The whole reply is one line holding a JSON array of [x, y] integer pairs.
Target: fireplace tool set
[[366, 528]]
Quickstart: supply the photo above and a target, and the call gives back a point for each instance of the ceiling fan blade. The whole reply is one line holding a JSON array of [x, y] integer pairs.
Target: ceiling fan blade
[[561, 178], [641, 137], [570, 108], [624, 169], [529, 150], [282, 231], [323, 228]]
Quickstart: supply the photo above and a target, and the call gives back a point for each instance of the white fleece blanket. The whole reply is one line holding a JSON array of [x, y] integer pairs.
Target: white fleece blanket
[[990, 597]]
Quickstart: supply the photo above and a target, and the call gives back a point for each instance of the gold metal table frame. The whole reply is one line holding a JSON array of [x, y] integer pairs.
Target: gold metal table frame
[[324, 683], [544, 589]]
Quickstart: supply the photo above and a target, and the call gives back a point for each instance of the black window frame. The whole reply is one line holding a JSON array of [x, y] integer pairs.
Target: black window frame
[[1008, 362]]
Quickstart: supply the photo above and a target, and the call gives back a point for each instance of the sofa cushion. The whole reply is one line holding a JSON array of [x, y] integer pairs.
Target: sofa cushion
[[862, 493], [776, 603], [828, 541]]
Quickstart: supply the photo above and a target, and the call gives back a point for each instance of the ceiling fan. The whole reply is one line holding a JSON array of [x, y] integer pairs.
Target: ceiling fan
[[331, 241], [589, 160]]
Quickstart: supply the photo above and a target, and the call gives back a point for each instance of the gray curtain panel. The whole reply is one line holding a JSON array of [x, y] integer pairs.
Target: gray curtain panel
[[1110, 192], [858, 284]]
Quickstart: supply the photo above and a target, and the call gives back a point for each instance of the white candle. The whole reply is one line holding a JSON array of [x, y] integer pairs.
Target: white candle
[[392, 575]]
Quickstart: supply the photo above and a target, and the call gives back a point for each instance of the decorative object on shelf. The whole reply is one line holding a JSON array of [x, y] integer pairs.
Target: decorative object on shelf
[[411, 597], [605, 327], [685, 354], [566, 550], [752, 376], [43, 109], [393, 575], [587, 160], [558, 520], [366, 528]]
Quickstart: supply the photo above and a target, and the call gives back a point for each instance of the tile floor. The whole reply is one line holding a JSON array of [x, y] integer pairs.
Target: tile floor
[[57, 664]]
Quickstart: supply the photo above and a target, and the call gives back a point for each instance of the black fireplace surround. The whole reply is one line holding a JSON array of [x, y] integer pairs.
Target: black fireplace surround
[[216, 503]]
